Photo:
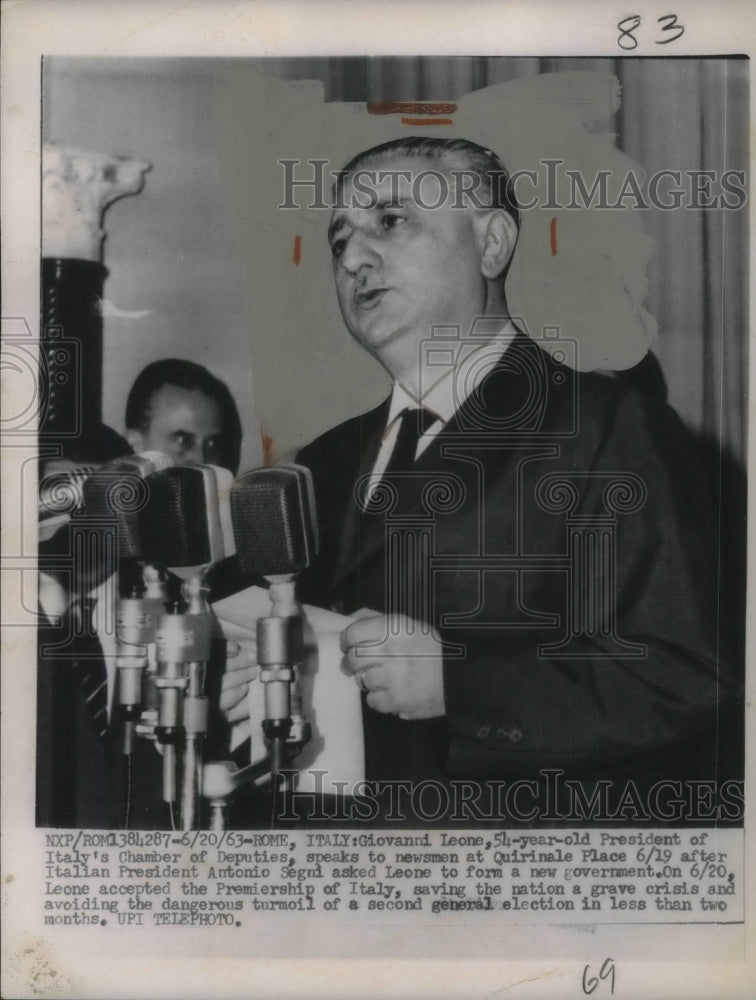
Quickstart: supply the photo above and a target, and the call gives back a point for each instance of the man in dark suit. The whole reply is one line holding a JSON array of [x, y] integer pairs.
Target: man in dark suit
[[529, 551]]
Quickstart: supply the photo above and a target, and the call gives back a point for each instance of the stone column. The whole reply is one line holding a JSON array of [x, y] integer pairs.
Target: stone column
[[77, 188]]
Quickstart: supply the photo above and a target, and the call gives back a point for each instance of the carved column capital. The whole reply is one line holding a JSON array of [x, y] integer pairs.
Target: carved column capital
[[77, 187]]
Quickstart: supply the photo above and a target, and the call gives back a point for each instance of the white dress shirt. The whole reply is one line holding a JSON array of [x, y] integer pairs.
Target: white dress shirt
[[443, 397]]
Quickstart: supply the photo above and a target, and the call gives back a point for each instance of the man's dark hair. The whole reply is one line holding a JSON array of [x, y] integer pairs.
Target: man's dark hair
[[189, 376], [495, 189]]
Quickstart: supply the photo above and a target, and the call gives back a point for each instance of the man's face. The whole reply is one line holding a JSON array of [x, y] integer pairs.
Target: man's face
[[185, 424], [400, 267]]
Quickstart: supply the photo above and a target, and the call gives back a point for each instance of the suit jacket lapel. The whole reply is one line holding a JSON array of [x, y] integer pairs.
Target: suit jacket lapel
[[499, 405], [370, 431]]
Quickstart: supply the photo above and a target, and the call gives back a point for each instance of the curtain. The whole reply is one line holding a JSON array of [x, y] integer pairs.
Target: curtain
[[693, 115]]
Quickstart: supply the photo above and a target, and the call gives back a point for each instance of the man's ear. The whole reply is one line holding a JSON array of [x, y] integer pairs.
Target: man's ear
[[136, 440], [498, 236]]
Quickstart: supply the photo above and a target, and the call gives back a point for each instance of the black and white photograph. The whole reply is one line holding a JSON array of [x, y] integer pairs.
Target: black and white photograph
[[542, 591], [381, 504]]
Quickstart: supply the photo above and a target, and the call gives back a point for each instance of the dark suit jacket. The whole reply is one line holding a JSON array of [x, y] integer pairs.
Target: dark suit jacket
[[71, 759], [571, 492]]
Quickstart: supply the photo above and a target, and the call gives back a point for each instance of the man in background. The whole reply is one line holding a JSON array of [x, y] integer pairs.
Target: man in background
[[181, 409]]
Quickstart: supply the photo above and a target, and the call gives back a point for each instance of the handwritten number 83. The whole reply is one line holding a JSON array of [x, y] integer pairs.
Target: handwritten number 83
[[630, 24]]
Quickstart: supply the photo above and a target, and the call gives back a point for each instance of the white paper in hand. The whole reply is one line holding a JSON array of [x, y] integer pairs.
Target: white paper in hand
[[330, 698]]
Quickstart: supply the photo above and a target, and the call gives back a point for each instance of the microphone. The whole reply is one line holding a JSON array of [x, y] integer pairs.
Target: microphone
[[186, 524], [185, 527], [113, 495], [60, 495], [118, 491], [276, 532], [275, 520]]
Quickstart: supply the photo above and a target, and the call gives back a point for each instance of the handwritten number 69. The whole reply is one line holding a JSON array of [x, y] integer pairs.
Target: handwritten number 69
[[607, 971]]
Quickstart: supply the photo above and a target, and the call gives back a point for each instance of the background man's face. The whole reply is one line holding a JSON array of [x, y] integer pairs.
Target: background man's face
[[185, 424], [399, 267]]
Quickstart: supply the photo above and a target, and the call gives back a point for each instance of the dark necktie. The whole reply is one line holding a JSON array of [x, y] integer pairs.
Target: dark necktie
[[89, 667], [414, 423]]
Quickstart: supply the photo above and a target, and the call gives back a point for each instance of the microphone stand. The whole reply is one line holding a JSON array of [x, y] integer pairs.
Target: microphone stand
[[195, 704], [183, 652], [280, 649], [162, 667], [136, 662]]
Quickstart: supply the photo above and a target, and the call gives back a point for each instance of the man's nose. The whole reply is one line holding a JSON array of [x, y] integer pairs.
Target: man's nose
[[360, 252], [210, 453], [194, 455]]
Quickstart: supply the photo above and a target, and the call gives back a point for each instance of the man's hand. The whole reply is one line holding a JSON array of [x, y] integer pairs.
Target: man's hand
[[397, 664]]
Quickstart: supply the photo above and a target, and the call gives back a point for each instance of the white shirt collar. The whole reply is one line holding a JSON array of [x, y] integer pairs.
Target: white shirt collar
[[453, 384]]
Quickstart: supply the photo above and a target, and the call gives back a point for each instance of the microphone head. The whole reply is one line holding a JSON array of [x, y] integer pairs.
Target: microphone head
[[61, 494], [185, 523], [116, 492], [275, 520]]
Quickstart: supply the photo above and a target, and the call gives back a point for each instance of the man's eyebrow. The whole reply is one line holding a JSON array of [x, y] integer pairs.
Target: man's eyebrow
[[336, 223], [385, 201], [401, 201]]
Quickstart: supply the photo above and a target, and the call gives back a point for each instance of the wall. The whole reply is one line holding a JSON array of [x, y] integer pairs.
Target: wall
[[172, 250], [174, 278]]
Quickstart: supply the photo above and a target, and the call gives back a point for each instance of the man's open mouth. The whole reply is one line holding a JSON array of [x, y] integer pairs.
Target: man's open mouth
[[369, 299]]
